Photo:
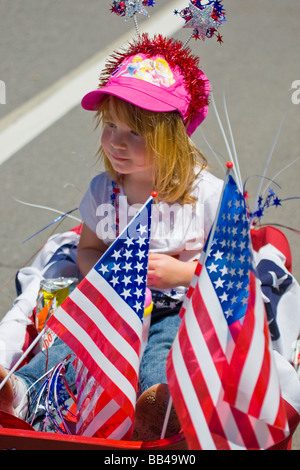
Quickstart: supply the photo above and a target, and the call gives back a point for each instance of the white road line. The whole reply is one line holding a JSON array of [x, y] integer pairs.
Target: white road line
[[28, 121]]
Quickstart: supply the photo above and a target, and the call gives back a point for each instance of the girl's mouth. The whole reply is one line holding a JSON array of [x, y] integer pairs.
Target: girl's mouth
[[118, 158]]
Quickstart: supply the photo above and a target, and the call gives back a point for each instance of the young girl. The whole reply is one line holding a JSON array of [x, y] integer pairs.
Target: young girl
[[146, 146]]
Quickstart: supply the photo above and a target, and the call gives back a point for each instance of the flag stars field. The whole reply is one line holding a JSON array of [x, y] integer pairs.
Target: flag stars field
[[230, 273], [125, 275]]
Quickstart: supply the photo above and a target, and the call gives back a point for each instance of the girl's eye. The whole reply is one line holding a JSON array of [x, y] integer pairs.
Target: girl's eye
[[111, 124], [136, 134]]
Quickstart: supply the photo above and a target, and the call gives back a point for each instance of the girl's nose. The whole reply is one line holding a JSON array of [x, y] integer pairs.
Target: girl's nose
[[118, 141]]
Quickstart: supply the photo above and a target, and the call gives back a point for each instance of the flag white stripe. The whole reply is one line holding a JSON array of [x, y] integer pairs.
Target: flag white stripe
[[88, 344], [112, 335]]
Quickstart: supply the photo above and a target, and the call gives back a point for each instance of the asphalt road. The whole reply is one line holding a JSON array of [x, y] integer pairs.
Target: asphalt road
[[44, 44]]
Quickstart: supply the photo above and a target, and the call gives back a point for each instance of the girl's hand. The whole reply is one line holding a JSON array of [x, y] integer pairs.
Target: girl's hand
[[166, 272]]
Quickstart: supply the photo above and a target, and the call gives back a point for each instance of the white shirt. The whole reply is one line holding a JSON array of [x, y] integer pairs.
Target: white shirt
[[178, 230]]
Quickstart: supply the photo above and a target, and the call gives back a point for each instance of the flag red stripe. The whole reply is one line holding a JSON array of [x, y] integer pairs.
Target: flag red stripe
[[246, 429], [278, 434], [261, 387]]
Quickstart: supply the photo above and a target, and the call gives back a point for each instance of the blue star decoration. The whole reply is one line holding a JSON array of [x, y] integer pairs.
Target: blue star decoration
[[264, 204], [229, 260], [124, 264]]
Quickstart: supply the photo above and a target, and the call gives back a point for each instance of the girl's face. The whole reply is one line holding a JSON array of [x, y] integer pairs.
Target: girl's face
[[125, 148]]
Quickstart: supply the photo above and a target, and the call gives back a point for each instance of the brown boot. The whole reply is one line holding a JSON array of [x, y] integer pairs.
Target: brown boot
[[150, 414]]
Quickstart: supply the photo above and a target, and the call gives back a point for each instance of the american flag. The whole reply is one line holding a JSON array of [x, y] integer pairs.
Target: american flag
[[220, 369], [101, 321]]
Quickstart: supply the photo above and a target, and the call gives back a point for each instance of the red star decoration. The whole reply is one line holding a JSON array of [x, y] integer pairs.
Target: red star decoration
[[219, 38], [196, 36], [215, 15]]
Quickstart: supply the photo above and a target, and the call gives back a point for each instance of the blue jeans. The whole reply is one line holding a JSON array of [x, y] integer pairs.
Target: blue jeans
[[36, 368], [161, 336]]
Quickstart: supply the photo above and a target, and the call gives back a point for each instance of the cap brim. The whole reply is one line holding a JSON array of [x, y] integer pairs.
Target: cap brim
[[134, 96]]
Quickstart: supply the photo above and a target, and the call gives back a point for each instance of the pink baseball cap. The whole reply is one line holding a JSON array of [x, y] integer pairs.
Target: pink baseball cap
[[152, 82]]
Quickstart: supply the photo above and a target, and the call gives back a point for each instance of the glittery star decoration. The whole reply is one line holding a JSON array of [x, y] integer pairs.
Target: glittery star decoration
[[129, 8], [205, 17], [201, 20], [133, 7]]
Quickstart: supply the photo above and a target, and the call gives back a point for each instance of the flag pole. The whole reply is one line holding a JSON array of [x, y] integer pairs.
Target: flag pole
[[34, 342], [167, 417]]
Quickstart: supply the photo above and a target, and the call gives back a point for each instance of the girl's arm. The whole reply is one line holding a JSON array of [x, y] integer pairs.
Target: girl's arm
[[166, 272], [89, 251]]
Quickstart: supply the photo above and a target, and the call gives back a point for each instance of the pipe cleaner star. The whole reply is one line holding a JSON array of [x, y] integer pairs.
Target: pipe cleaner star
[[133, 7], [129, 8], [201, 20], [205, 17]]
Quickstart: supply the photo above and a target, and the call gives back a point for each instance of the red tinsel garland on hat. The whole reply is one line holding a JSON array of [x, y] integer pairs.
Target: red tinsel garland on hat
[[175, 54]]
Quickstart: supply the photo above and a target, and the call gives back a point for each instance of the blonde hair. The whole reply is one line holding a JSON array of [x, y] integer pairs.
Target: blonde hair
[[175, 156]]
